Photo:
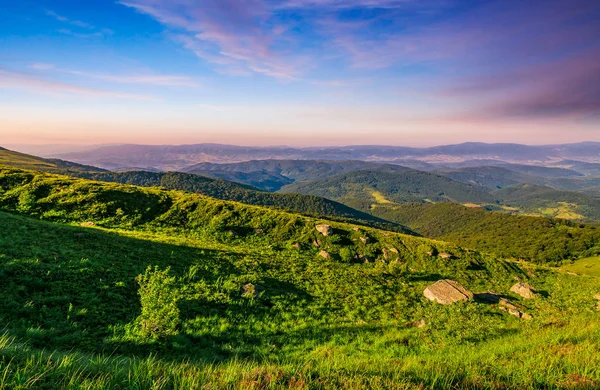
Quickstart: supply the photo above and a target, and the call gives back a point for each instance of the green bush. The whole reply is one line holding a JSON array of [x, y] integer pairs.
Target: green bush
[[159, 296]]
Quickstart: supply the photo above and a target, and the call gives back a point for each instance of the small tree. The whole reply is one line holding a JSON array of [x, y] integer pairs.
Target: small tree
[[158, 296]]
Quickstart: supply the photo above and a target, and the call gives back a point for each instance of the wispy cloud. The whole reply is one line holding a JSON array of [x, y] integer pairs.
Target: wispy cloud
[[90, 31], [77, 23], [135, 78], [10, 79]]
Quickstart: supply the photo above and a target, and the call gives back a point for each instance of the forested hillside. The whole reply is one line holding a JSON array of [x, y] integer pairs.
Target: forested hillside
[[359, 189], [537, 239], [550, 202]]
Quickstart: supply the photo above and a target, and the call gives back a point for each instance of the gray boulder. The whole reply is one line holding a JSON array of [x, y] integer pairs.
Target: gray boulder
[[447, 291], [325, 230]]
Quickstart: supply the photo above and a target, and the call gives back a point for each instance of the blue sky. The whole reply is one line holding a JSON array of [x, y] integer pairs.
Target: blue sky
[[299, 72]]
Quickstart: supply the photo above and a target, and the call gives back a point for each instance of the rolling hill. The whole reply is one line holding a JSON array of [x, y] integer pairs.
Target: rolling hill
[[226, 190]]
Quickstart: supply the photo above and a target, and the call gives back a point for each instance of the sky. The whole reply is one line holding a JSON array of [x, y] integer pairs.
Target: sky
[[299, 72]]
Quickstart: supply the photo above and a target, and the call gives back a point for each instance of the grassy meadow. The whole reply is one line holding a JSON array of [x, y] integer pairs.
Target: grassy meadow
[[109, 286]]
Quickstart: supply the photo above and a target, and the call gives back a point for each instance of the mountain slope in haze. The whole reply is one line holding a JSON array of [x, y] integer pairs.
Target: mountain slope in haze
[[226, 190], [361, 189], [550, 202], [26, 161], [503, 175], [291, 170], [491, 177], [537, 239]]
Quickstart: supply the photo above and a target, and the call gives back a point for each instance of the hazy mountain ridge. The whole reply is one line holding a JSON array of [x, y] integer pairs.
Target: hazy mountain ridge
[[172, 157]]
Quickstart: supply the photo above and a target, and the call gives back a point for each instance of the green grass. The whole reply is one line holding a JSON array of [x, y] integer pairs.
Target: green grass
[[71, 307], [587, 266]]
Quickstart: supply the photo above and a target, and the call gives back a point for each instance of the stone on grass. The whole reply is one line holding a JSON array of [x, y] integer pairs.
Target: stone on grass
[[524, 290], [325, 230], [325, 255], [445, 255], [597, 297], [365, 240], [447, 291], [512, 309]]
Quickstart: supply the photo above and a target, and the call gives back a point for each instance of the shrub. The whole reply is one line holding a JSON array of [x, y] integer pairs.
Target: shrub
[[158, 296]]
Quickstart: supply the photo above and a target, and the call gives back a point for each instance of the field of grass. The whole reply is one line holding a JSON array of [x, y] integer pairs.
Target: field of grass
[[107, 286], [587, 266]]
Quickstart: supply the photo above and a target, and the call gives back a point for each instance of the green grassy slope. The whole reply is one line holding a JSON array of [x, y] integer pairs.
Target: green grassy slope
[[26, 161], [531, 238], [73, 319], [226, 190], [587, 266], [357, 188]]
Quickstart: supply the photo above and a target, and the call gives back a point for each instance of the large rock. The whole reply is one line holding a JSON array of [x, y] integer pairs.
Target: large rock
[[525, 290], [325, 230], [446, 292]]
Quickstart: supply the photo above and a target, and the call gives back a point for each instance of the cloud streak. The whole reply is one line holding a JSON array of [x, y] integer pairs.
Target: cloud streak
[[28, 82]]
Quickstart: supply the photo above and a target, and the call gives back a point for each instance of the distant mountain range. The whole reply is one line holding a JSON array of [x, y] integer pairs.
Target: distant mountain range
[[181, 157]]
